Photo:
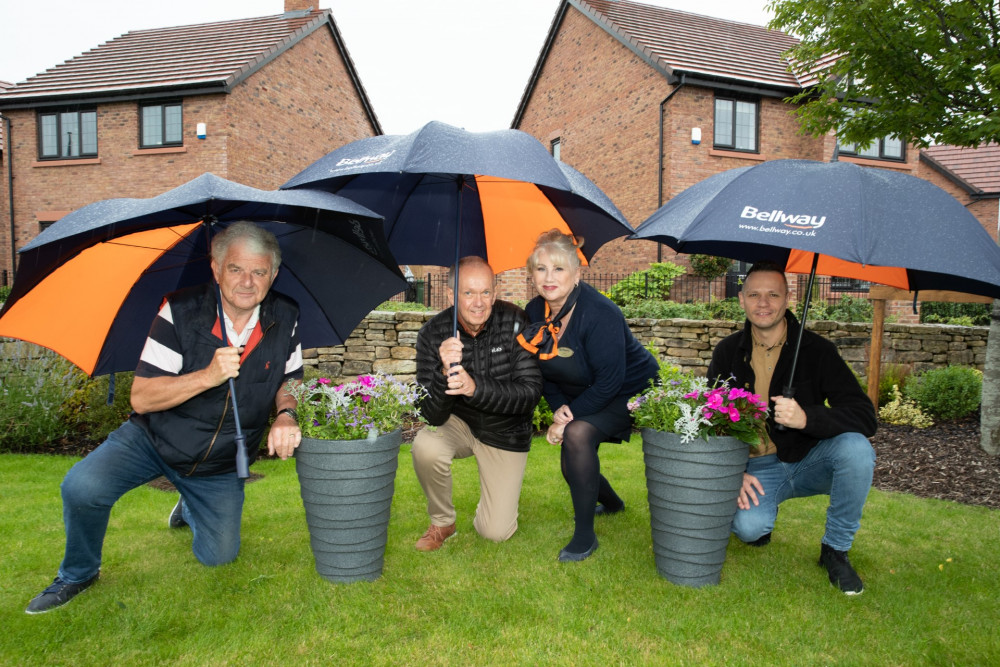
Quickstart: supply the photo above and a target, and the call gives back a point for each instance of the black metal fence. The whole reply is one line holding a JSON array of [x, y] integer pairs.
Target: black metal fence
[[430, 290]]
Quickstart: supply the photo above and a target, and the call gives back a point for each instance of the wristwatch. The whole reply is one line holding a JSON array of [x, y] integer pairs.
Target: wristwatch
[[290, 412]]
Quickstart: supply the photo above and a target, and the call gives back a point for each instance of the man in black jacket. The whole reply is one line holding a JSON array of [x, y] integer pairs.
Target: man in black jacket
[[183, 427], [823, 448], [482, 388]]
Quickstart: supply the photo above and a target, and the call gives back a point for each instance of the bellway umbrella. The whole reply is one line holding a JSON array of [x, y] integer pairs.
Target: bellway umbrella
[[89, 286], [833, 218], [446, 193]]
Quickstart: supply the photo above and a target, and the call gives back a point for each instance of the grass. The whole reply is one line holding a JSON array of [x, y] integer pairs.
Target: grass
[[932, 595]]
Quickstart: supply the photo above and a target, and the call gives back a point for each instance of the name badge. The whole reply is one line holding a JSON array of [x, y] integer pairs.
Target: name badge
[[564, 352]]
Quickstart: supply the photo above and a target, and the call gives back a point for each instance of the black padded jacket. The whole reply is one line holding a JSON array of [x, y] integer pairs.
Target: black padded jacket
[[508, 382]]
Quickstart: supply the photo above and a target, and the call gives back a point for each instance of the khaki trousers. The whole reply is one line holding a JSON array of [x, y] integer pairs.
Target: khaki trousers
[[500, 475]]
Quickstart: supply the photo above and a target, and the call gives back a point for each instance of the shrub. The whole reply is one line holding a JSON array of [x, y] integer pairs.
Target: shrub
[[4, 292], [710, 266], [848, 309], [653, 283], [663, 310], [726, 309], [542, 418], [402, 306], [903, 412], [86, 410], [891, 376], [946, 393], [932, 312], [34, 383]]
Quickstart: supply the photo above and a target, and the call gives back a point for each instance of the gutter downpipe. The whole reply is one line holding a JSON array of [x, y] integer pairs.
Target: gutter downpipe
[[659, 173], [10, 193]]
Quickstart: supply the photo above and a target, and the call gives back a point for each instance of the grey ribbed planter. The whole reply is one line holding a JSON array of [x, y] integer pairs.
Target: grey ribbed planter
[[692, 490], [347, 488]]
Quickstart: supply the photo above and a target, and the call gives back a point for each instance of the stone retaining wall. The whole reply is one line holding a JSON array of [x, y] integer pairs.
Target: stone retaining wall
[[386, 342]]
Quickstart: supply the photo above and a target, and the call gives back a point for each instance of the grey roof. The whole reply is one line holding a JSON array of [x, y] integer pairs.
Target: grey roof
[[207, 57]]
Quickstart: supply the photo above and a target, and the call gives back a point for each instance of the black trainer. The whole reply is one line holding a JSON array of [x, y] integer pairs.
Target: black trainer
[[176, 519], [57, 594], [842, 575]]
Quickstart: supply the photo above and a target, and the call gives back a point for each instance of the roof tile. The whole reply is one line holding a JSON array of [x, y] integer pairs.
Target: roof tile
[[979, 167], [701, 45], [213, 54]]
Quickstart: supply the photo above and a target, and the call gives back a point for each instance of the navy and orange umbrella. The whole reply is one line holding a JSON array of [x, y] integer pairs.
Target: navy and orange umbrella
[[835, 219], [89, 286], [447, 193]]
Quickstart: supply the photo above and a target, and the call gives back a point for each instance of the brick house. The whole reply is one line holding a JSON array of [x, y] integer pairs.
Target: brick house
[[253, 100], [647, 101]]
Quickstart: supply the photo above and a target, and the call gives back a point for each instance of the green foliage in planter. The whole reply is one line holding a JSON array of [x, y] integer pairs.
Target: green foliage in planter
[[946, 393], [4, 292], [653, 283], [710, 266], [963, 314]]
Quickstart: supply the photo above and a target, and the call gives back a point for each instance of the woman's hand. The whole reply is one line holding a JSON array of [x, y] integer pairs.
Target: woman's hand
[[555, 434], [562, 416]]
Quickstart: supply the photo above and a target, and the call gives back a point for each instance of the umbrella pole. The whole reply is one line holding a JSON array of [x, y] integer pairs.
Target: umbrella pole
[[242, 462], [458, 251], [788, 391]]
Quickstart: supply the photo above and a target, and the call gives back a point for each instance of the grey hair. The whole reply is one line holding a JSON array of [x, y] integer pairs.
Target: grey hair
[[465, 262], [557, 245], [258, 239]]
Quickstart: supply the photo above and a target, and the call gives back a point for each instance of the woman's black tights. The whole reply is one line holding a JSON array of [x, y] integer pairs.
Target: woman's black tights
[[581, 468]]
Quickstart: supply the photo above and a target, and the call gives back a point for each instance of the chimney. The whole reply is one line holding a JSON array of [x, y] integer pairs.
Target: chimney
[[299, 5]]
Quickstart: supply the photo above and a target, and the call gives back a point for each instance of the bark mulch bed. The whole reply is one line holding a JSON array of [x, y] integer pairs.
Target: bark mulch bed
[[943, 461]]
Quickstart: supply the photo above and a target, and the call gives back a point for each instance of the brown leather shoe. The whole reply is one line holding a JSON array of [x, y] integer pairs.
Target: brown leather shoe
[[435, 537]]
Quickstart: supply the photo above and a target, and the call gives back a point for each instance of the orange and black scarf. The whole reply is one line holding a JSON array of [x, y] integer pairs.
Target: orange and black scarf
[[541, 338]]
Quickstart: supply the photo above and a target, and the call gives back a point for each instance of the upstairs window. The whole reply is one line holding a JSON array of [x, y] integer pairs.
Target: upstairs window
[[556, 145], [161, 125], [888, 148], [67, 134], [736, 123]]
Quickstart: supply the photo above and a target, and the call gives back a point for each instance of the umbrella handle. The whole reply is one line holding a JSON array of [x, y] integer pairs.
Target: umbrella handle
[[787, 391], [242, 460]]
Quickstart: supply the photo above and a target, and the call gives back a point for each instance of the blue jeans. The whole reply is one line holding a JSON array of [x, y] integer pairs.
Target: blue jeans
[[213, 505], [840, 467]]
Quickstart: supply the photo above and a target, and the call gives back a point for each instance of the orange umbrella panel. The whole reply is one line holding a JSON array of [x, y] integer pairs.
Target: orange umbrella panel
[[55, 314]]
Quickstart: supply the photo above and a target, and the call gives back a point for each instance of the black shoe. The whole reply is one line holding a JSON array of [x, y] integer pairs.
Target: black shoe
[[761, 541], [57, 594], [176, 519], [570, 557], [603, 510], [842, 575]]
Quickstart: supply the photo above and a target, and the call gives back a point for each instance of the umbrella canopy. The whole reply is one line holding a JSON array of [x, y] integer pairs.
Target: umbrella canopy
[[833, 218], [447, 193], [857, 222], [89, 286]]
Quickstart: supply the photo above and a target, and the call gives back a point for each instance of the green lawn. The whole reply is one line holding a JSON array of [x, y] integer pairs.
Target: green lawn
[[932, 594]]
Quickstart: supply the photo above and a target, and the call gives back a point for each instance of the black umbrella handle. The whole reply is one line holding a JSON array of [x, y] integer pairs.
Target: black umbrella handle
[[788, 391], [242, 460]]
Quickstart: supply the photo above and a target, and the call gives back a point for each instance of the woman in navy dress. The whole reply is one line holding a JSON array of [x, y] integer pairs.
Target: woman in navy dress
[[591, 366]]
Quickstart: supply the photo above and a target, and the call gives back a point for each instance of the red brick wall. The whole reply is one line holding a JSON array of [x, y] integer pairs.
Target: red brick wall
[[291, 112]]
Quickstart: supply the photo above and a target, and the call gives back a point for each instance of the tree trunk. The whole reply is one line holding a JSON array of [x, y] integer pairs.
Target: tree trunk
[[989, 420]]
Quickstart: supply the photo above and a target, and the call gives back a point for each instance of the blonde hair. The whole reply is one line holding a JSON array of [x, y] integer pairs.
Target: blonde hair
[[559, 246]]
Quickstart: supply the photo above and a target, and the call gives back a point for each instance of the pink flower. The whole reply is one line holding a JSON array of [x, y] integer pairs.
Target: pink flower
[[324, 380]]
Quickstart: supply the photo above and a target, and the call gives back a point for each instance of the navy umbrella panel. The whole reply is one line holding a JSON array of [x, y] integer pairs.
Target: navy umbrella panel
[[89, 286], [446, 193], [870, 224]]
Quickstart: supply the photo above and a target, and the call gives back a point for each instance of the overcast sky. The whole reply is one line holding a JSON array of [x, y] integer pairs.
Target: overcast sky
[[464, 62]]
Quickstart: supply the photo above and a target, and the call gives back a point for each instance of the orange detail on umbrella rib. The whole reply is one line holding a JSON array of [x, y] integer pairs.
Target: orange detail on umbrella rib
[[71, 310], [800, 261], [514, 214]]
